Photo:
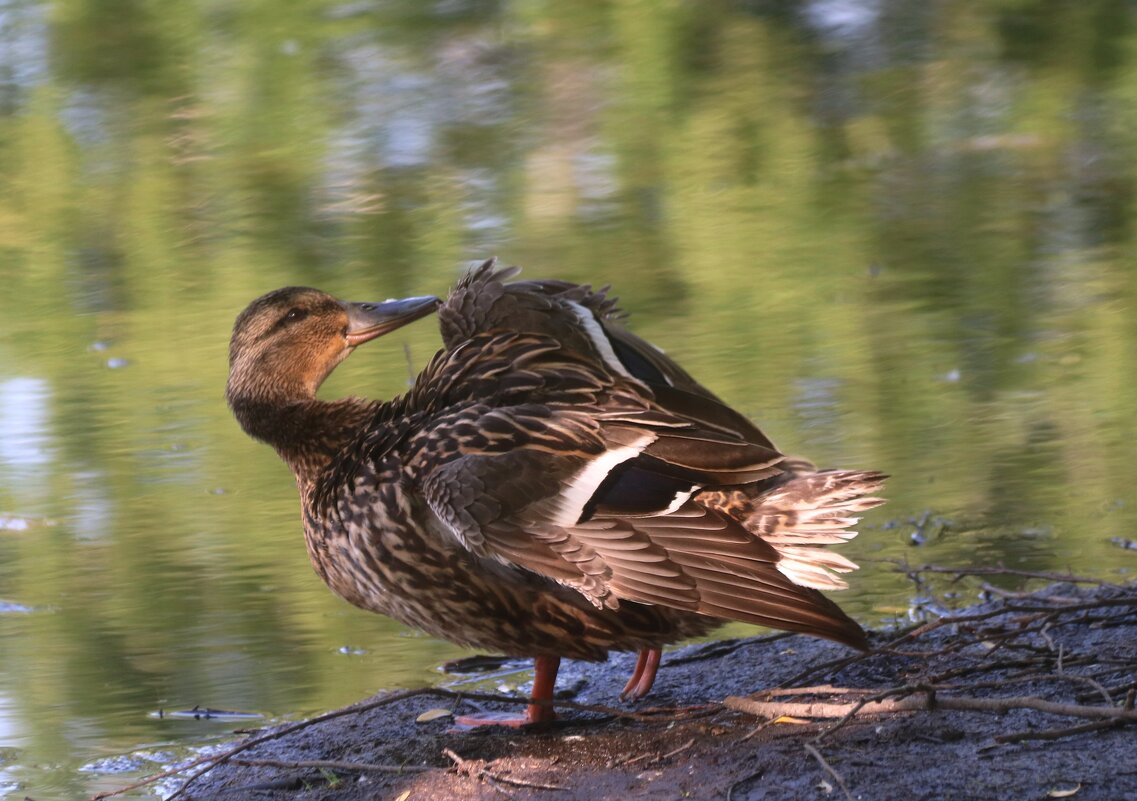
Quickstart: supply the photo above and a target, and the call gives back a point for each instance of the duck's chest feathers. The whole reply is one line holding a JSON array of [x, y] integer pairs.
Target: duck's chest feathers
[[360, 535]]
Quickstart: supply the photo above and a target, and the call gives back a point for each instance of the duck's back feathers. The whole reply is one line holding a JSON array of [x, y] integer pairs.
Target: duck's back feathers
[[584, 321], [679, 500]]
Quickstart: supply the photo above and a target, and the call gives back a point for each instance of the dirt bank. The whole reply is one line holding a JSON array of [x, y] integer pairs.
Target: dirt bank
[[713, 729]]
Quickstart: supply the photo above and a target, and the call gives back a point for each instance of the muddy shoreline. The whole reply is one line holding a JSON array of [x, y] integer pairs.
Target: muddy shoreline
[[692, 737]]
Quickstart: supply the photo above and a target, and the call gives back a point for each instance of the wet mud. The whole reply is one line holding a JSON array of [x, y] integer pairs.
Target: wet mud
[[698, 734]]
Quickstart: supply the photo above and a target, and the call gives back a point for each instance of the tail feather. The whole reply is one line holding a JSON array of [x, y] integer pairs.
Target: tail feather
[[808, 511]]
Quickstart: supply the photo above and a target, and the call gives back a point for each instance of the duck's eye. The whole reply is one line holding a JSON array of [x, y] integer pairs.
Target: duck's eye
[[294, 315]]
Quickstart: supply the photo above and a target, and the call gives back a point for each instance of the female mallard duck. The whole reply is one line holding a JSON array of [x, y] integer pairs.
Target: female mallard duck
[[551, 486]]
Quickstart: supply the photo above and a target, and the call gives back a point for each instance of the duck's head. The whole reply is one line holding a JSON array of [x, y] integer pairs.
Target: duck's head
[[287, 342]]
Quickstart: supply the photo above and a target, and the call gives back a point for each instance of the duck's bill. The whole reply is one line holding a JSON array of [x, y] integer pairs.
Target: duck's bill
[[366, 321]]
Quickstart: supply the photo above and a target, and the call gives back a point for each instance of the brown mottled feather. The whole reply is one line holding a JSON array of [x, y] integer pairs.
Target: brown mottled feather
[[551, 485], [370, 534], [769, 529]]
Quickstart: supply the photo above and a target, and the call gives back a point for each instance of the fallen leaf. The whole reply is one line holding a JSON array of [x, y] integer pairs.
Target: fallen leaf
[[790, 719], [433, 714], [403, 796], [1064, 793]]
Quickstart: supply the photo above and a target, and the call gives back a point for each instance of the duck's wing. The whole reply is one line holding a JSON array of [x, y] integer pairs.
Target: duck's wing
[[599, 499], [597, 493], [716, 567], [616, 522], [584, 321]]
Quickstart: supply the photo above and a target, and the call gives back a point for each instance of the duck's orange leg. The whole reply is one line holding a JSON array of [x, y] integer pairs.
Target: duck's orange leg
[[544, 680], [643, 677]]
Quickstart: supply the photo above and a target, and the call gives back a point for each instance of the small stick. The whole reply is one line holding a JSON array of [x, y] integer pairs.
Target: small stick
[[925, 702], [830, 770], [827, 689], [678, 750], [464, 765], [743, 780], [1056, 734], [326, 764], [217, 759]]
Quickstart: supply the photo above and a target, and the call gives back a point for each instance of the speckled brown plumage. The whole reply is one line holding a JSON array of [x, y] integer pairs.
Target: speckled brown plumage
[[368, 531], [551, 485], [796, 507]]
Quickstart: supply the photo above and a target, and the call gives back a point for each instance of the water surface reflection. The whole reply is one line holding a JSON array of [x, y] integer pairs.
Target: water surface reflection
[[895, 234]]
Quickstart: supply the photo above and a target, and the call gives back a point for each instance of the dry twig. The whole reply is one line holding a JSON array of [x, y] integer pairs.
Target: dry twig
[[468, 768], [922, 699], [837, 777], [739, 782], [328, 764]]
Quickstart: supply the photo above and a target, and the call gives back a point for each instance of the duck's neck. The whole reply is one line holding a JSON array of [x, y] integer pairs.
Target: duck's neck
[[307, 433]]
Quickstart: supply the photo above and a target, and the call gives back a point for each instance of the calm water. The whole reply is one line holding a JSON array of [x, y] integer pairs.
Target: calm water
[[899, 235]]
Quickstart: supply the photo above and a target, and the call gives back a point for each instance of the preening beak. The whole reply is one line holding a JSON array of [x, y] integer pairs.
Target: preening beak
[[366, 321]]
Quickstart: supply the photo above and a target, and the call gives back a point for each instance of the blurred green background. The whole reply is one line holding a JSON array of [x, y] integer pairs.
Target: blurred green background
[[899, 235]]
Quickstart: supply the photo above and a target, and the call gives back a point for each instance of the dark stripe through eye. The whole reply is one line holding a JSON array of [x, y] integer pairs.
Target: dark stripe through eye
[[291, 316]]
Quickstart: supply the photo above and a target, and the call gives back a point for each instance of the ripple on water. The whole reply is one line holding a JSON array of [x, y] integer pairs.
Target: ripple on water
[[127, 763], [10, 522], [13, 608]]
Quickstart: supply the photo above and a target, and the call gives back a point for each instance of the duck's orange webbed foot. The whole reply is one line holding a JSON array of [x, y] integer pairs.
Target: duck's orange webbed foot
[[544, 680]]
